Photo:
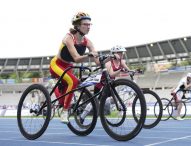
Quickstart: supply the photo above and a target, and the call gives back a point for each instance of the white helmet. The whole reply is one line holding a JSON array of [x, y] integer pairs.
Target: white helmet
[[118, 49], [189, 75]]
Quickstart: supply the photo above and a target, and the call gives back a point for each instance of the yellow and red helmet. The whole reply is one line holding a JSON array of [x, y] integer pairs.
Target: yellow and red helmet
[[80, 16]]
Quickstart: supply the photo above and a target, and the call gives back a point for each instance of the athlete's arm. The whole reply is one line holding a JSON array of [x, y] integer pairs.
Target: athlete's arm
[[112, 73], [92, 50], [123, 64]]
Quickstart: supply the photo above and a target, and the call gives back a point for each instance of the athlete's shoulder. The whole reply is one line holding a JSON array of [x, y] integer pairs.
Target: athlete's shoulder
[[68, 38]]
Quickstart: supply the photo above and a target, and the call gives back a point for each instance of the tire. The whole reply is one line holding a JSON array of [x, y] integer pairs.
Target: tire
[[156, 113], [75, 125], [30, 115], [183, 111], [113, 123], [154, 109], [167, 109]]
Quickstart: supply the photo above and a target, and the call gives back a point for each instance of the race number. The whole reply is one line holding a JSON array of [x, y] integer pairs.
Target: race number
[[91, 80]]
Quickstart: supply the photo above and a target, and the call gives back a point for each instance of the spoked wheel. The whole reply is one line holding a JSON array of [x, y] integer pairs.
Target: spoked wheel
[[167, 109], [34, 111], [154, 109], [119, 122], [183, 110], [83, 120]]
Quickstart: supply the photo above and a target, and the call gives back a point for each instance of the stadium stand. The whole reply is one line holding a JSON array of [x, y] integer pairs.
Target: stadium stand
[[160, 80]]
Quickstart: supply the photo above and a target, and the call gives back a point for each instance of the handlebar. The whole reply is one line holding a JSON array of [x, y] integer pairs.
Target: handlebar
[[132, 73], [137, 71], [102, 57]]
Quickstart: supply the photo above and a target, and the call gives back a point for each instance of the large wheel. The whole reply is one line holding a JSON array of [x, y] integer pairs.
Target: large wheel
[[87, 112], [119, 122], [154, 109], [34, 111], [167, 109]]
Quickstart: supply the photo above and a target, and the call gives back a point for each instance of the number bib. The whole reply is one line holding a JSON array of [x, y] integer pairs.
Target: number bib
[[92, 80]]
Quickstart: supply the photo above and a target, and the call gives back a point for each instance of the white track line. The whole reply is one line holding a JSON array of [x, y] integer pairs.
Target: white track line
[[166, 141], [152, 137]]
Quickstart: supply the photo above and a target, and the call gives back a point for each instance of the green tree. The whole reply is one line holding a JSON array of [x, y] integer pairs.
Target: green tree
[[4, 76]]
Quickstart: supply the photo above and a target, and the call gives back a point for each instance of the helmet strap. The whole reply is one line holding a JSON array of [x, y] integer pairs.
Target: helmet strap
[[81, 33], [78, 30]]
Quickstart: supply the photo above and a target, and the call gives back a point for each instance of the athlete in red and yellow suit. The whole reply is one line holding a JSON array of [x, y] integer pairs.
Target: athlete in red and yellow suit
[[69, 81]]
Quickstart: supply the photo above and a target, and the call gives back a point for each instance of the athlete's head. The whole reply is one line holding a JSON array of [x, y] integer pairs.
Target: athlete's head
[[81, 22], [119, 50]]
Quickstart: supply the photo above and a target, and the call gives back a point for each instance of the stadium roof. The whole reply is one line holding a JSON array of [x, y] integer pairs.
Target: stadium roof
[[152, 52]]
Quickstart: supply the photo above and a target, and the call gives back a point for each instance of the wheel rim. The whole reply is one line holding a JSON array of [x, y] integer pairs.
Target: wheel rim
[[33, 122]]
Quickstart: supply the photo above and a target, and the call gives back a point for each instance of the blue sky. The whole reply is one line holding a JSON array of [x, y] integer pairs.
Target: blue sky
[[36, 27]]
